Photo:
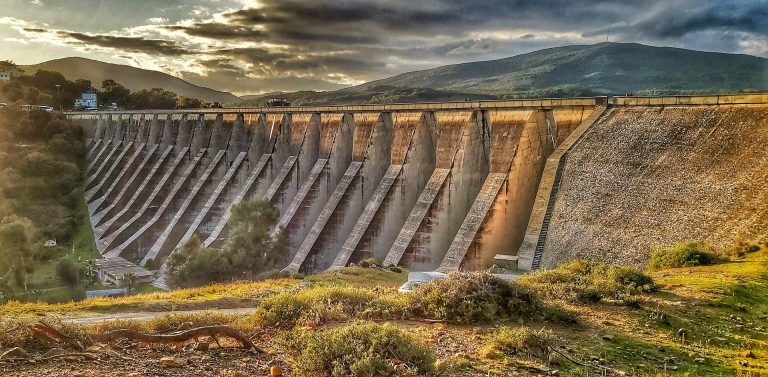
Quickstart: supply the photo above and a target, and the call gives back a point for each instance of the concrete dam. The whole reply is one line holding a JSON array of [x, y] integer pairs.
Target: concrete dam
[[438, 186]]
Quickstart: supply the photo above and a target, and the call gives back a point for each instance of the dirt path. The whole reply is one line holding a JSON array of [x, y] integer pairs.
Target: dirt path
[[93, 318]]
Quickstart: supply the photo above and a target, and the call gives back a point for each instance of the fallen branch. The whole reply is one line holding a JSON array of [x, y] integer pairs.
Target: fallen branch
[[178, 337], [43, 331]]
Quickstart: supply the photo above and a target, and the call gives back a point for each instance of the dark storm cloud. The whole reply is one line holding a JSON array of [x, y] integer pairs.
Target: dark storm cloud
[[220, 31], [447, 16], [220, 64], [239, 82], [131, 44], [679, 19], [277, 63]]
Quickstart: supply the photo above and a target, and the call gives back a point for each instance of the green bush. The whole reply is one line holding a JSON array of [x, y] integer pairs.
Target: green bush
[[282, 310], [741, 249], [687, 254], [388, 306], [249, 250], [519, 341], [324, 304], [395, 269], [587, 282], [70, 272], [473, 297], [366, 263], [358, 350]]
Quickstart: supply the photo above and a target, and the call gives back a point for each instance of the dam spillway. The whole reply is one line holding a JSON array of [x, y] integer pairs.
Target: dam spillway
[[443, 186]]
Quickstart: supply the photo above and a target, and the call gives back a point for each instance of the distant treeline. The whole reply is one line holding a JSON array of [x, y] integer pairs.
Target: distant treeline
[[52, 88]]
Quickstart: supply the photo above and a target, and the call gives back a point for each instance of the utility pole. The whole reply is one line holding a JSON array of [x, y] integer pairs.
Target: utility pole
[[58, 94]]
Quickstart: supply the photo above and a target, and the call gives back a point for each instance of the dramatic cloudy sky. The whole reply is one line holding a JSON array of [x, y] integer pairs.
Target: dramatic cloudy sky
[[255, 46]]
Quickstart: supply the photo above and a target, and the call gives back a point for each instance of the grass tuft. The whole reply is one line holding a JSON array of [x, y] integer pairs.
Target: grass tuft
[[587, 282], [686, 254], [474, 297], [358, 350]]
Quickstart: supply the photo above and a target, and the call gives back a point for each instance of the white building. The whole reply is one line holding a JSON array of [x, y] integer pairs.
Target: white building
[[113, 271], [86, 100], [8, 71]]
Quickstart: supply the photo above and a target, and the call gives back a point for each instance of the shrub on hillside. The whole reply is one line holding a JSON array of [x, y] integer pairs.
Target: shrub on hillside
[[741, 249], [519, 341], [686, 254], [323, 304], [366, 263], [70, 272], [473, 297], [583, 281], [362, 350]]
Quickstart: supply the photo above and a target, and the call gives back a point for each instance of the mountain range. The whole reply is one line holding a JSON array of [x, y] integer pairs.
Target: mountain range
[[132, 78], [578, 70]]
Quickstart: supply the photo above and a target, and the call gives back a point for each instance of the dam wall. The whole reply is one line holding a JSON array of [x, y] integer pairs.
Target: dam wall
[[650, 172], [425, 186]]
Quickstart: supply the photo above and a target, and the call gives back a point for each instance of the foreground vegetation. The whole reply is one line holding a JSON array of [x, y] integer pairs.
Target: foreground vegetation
[[579, 319]]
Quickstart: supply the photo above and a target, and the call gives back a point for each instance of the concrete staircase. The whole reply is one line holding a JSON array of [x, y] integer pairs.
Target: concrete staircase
[[212, 200], [164, 240], [252, 178], [111, 201], [427, 197], [286, 218], [102, 227], [475, 218], [531, 252], [328, 210], [370, 210]]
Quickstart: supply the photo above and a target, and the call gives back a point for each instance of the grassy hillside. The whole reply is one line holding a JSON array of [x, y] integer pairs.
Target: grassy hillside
[[133, 78], [604, 68], [581, 70]]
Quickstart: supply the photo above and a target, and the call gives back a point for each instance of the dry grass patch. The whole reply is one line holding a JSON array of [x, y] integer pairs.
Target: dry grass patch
[[192, 298], [359, 350]]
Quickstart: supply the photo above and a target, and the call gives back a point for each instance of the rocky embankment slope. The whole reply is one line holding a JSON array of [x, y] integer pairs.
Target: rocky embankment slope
[[650, 176]]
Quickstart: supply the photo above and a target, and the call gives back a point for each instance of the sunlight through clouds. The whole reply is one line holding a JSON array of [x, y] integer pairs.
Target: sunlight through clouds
[[259, 46]]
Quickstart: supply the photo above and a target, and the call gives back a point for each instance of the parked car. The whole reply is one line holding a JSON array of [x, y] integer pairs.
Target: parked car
[[416, 279], [47, 109], [91, 109], [278, 102]]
